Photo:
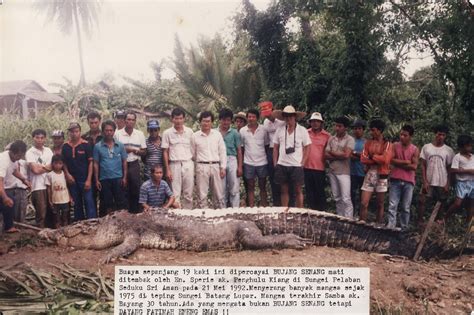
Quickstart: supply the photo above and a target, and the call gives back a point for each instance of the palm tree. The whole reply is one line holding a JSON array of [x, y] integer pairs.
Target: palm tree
[[80, 14]]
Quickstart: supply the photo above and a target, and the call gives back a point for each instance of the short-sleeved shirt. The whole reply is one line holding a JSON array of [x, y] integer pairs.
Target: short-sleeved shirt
[[77, 158], [340, 167], [88, 137], [110, 159], [136, 140], [10, 181], [357, 168], [272, 127], [316, 159], [154, 156], [154, 196], [6, 166], [60, 194], [43, 157], [298, 139], [254, 145], [461, 161], [437, 161], [178, 144], [231, 140]]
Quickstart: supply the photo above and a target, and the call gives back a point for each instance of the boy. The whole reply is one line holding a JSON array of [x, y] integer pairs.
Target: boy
[[58, 194], [155, 192], [463, 168]]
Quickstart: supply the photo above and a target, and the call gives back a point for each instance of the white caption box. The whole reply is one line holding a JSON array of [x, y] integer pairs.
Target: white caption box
[[191, 290]]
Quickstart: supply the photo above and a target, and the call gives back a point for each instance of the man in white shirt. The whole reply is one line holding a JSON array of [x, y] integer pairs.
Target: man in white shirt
[[209, 152], [177, 159], [39, 158], [7, 167], [254, 140], [135, 145], [290, 152]]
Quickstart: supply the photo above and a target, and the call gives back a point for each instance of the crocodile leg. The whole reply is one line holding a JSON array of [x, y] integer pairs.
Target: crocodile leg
[[250, 237], [130, 244]]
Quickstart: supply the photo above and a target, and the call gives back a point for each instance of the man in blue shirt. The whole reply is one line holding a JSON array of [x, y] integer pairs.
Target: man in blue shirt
[[155, 192], [357, 168], [110, 169]]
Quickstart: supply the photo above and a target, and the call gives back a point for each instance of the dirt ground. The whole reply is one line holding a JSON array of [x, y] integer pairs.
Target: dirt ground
[[398, 285]]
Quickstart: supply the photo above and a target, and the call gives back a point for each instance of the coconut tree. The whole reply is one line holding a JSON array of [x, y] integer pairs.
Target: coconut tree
[[72, 14]]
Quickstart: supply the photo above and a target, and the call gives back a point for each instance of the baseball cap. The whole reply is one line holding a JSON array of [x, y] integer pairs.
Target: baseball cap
[[57, 133], [120, 114], [153, 124], [316, 116], [359, 123], [73, 125]]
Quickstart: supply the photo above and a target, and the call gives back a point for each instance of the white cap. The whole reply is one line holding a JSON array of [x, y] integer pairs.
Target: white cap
[[316, 116]]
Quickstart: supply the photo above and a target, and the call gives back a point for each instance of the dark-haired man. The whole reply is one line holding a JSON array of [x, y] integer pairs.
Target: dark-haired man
[[94, 134], [39, 158], [377, 155], [402, 178], [436, 158], [209, 152], [254, 140], [177, 158], [135, 144], [231, 182], [155, 192], [7, 168], [338, 153], [357, 168]]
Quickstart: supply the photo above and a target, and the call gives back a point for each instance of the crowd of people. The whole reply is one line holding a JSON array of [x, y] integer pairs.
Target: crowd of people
[[101, 171]]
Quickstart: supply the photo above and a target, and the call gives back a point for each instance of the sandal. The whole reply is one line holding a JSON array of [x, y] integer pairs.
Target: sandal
[[12, 230]]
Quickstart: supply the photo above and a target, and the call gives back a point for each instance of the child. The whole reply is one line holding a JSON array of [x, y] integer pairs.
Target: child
[[58, 194], [463, 167]]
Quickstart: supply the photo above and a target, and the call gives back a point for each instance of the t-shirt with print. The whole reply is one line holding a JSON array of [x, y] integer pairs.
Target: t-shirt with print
[[437, 161], [339, 145], [298, 139], [461, 161], [57, 181], [43, 157], [357, 168]]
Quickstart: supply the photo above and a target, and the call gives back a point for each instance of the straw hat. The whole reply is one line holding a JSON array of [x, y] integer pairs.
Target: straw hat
[[316, 116], [288, 110], [241, 115]]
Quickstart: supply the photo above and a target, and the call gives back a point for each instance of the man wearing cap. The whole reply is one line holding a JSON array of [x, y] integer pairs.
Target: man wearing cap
[[39, 158], [240, 120], [177, 158], [58, 141], [357, 168], [231, 182], [209, 152], [290, 152], [254, 139], [154, 152], [78, 169], [338, 152], [314, 168], [135, 145], [119, 118]]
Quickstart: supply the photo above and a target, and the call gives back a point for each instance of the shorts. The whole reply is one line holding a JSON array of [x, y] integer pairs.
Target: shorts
[[465, 189], [250, 171], [375, 182], [293, 175]]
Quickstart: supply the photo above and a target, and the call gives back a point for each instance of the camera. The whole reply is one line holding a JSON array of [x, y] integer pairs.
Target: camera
[[290, 150]]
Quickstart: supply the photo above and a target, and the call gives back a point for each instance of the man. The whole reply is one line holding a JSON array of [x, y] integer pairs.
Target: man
[[376, 155], [436, 158], [209, 152], [78, 170], [254, 139], [135, 145], [314, 168], [119, 118], [155, 192], [177, 158], [154, 151], [58, 141], [110, 169], [38, 159], [338, 153], [233, 171], [402, 178], [94, 134], [7, 165], [357, 168], [240, 120], [271, 124], [291, 146]]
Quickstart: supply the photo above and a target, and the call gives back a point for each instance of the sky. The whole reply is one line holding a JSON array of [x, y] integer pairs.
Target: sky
[[131, 34]]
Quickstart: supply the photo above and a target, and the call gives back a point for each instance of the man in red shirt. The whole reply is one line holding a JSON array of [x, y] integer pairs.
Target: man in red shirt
[[314, 175]]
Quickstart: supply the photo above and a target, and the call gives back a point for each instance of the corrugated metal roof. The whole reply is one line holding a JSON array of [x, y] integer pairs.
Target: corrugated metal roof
[[43, 96], [30, 88]]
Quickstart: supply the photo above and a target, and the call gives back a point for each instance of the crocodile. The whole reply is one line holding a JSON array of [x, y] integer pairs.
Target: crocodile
[[230, 228]]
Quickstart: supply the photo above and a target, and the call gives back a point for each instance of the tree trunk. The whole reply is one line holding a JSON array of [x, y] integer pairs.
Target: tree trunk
[[82, 80]]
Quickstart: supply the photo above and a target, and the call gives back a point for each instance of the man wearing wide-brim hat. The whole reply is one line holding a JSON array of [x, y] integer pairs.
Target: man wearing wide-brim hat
[[314, 168], [290, 152], [240, 120]]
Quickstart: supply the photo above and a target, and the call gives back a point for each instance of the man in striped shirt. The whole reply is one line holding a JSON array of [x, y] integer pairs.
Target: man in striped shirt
[[155, 192]]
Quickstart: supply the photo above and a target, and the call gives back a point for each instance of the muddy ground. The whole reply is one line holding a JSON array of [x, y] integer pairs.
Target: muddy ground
[[398, 285]]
